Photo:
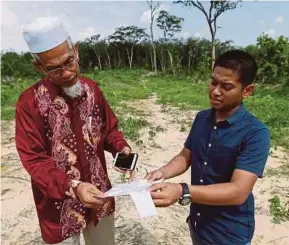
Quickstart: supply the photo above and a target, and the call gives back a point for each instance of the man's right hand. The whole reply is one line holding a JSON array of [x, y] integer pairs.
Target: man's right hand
[[155, 175], [90, 196]]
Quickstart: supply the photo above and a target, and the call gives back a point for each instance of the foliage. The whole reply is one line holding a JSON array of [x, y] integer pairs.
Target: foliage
[[212, 13], [273, 59], [269, 104], [16, 65], [128, 36], [169, 24], [190, 56], [279, 211], [130, 127]]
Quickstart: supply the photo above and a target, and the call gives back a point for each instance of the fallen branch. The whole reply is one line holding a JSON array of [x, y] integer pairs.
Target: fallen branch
[[277, 239], [14, 177], [283, 187]]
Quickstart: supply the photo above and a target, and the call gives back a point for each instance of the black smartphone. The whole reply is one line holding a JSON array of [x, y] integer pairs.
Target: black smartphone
[[126, 162]]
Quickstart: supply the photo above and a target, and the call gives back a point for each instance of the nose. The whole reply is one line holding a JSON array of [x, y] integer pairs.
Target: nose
[[216, 91], [65, 74]]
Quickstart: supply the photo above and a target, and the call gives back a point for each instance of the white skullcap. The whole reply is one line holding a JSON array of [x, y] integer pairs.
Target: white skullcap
[[44, 33]]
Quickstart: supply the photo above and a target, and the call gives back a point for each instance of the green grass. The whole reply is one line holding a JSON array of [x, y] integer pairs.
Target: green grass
[[270, 105], [279, 211], [131, 126], [9, 95]]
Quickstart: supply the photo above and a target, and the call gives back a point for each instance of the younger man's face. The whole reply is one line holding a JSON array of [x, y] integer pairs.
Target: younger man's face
[[225, 90]]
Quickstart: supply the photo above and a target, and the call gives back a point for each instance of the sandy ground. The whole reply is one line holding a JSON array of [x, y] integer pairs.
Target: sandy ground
[[19, 222]]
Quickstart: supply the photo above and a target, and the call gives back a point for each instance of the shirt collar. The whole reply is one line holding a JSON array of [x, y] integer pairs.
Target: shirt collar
[[235, 117]]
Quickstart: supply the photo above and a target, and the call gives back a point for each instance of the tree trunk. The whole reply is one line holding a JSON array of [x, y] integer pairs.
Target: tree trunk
[[162, 61], [11, 67], [119, 59], [153, 45], [172, 62], [99, 62], [154, 57], [131, 57], [213, 35], [108, 59], [190, 57], [213, 54], [152, 60], [98, 58], [146, 57]]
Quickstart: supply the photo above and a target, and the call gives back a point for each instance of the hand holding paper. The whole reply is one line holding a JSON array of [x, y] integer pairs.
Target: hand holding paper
[[138, 190], [165, 194]]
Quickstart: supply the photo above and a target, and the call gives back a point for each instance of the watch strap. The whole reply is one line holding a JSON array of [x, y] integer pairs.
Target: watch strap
[[185, 189]]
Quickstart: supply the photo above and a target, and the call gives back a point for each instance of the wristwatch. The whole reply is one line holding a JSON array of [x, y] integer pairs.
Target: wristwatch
[[186, 198]]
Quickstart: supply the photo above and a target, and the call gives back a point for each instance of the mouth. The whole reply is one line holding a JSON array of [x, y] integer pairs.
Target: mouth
[[69, 82], [216, 101]]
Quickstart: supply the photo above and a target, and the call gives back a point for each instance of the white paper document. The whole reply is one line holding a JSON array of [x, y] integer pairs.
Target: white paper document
[[138, 190]]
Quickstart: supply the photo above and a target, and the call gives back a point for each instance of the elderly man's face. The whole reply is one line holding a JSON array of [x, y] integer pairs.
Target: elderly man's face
[[52, 62]]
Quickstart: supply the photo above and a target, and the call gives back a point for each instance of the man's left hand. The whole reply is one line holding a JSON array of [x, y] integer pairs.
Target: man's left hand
[[165, 194], [126, 150]]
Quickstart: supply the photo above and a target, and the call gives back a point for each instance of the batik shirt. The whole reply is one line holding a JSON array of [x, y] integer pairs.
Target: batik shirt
[[59, 140]]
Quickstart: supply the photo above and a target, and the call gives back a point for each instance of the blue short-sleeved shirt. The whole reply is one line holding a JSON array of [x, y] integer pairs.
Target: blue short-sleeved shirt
[[240, 142]]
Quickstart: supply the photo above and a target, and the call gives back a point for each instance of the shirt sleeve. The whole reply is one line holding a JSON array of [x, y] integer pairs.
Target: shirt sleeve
[[254, 152], [114, 140], [52, 181], [188, 142]]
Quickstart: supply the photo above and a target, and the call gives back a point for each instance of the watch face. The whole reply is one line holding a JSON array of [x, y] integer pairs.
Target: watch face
[[185, 201]]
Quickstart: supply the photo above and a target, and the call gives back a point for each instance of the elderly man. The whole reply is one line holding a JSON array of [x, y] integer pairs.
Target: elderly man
[[63, 126]]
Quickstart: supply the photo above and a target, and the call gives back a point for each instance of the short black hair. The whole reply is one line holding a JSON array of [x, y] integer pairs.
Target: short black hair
[[239, 61]]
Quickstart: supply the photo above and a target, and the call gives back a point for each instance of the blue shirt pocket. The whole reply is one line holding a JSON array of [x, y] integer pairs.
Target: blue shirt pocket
[[222, 161]]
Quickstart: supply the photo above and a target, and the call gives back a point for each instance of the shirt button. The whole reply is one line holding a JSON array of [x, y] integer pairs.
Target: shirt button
[[205, 163], [201, 181], [210, 145], [198, 214]]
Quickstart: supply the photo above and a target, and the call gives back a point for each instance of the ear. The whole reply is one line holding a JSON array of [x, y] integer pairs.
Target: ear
[[248, 90], [37, 66], [76, 51]]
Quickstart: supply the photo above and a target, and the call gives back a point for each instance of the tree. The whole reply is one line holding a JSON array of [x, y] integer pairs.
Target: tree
[[216, 8], [97, 46], [153, 11], [273, 59], [170, 25], [129, 37]]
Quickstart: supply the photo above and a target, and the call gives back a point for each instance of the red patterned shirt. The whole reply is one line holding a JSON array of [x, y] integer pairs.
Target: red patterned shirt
[[60, 139]]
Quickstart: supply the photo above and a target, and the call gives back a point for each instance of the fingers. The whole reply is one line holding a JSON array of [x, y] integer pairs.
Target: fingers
[[148, 176], [95, 201], [156, 187], [126, 150], [160, 203], [157, 195], [98, 195], [132, 175], [119, 170], [151, 176], [155, 175]]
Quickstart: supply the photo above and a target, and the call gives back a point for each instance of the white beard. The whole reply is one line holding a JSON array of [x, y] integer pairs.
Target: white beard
[[74, 91]]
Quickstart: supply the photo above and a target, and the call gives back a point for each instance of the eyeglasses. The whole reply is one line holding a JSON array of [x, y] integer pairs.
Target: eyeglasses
[[58, 71]]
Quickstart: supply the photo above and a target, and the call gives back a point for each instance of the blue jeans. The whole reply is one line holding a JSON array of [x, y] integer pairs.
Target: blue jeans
[[195, 239]]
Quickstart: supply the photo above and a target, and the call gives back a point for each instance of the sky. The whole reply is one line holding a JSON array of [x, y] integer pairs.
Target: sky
[[84, 19]]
